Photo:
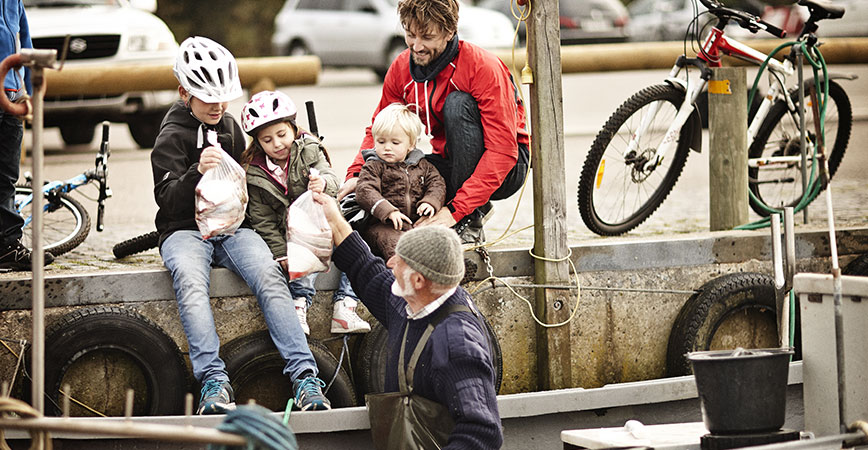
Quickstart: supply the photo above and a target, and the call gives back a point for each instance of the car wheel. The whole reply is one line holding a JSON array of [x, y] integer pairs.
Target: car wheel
[[395, 49], [145, 127], [298, 49], [77, 133]]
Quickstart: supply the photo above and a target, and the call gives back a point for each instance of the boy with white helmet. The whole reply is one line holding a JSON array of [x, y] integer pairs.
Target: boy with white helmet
[[279, 162], [208, 77]]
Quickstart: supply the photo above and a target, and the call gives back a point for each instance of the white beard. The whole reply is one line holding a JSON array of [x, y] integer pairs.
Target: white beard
[[408, 291]]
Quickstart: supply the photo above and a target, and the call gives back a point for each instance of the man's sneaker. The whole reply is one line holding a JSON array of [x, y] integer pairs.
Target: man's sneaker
[[301, 310], [308, 394], [217, 398], [469, 228], [345, 319], [17, 257]]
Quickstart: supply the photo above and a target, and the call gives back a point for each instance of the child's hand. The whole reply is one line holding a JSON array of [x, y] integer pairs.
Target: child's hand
[[209, 159], [398, 219], [425, 209], [315, 183]]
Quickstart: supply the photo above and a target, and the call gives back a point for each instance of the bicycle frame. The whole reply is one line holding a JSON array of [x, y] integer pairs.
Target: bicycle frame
[[52, 189], [716, 44]]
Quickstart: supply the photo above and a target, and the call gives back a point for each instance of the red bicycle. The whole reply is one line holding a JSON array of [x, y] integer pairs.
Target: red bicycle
[[641, 151]]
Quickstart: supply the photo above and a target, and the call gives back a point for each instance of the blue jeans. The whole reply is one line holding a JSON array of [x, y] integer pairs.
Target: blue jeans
[[189, 260], [11, 132], [303, 287]]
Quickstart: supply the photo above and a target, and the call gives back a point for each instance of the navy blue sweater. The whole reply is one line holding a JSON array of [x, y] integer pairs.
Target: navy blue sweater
[[455, 367]]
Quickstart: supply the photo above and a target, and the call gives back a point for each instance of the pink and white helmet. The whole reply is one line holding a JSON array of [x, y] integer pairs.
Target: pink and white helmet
[[266, 107], [207, 70]]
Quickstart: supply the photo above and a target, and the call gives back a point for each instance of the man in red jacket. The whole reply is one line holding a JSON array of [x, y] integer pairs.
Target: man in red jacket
[[471, 110]]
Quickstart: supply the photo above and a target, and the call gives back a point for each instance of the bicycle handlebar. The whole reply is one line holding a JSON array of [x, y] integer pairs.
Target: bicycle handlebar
[[744, 19]]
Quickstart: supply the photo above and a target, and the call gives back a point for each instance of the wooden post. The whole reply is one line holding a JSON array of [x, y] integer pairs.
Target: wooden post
[[727, 158], [549, 194]]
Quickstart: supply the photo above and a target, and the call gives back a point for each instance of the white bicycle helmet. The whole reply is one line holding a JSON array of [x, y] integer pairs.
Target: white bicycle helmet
[[266, 107], [207, 70]]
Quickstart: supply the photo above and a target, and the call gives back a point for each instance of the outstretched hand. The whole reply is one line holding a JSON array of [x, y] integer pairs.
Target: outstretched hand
[[442, 217], [340, 227]]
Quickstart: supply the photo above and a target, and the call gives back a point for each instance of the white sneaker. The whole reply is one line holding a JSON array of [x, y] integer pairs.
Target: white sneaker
[[301, 310], [345, 319]]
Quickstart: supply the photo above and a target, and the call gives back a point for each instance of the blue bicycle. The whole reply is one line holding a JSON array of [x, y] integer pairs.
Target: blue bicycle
[[65, 221]]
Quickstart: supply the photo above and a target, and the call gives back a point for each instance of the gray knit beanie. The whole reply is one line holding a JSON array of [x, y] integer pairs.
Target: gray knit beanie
[[435, 252]]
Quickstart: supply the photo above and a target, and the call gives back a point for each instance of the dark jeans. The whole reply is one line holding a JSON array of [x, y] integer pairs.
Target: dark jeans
[[11, 132], [465, 146]]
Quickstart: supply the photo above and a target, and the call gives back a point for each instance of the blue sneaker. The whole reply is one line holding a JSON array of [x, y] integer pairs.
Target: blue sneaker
[[308, 394], [217, 398]]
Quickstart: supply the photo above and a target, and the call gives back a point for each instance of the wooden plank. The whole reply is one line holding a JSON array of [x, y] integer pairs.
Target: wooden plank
[[549, 194], [727, 157]]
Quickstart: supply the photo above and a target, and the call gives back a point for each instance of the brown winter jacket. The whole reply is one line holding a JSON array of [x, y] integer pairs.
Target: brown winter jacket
[[384, 188]]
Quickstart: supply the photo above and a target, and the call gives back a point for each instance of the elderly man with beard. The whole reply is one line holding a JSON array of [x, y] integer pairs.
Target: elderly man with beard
[[471, 109], [455, 367]]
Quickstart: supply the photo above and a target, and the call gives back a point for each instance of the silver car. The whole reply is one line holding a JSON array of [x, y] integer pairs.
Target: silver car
[[367, 33], [104, 32]]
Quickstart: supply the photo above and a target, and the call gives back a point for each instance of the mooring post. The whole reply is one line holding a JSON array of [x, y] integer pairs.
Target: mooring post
[[727, 142], [549, 194]]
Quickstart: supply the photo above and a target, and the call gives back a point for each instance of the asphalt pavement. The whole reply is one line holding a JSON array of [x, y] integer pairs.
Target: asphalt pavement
[[344, 102]]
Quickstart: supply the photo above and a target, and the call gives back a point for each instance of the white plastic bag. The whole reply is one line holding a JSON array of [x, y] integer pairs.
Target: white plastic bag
[[308, 237], [221, 196]]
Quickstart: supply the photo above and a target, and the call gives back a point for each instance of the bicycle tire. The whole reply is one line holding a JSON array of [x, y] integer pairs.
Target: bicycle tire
[[779, 135], [255, 369], [699, 324], [135, 245], [66, 223], [101, 351], [625, 197]]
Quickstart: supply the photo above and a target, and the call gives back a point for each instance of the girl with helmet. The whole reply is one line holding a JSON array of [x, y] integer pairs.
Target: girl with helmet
[[208, 79], [279, 163]]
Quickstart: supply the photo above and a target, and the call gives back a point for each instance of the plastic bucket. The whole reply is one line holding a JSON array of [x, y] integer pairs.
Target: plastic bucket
[[742, 391]]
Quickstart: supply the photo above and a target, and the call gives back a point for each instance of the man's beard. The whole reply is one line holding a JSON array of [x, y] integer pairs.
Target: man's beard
[[408, 290]]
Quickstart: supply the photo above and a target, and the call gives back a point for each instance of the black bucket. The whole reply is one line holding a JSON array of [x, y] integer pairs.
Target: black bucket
[[742, 391]]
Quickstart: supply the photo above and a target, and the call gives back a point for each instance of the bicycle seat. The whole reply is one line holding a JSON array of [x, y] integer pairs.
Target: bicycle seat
[[823, 9]]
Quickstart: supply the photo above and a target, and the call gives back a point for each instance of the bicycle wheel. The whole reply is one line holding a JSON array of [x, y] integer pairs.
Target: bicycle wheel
[[65, 223], [780, 185], [135, 245], [615, 193]]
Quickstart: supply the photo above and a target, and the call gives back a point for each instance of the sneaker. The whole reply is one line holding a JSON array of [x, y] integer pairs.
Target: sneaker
[[301, 310], [18, 257], [308, 394], [345, 319], [217, 398]]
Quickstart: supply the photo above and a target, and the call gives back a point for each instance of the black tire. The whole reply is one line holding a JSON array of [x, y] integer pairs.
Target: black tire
[[137, 244], [373, 354], [102, 352], [77, 133], [144, 128], [709, 321], [298, 48], [391, 53], [66, 223], [857, 267], [778, 185], [628, 195], [256, 372]]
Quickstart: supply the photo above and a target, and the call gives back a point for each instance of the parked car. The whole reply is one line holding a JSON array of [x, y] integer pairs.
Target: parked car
[[104, 32], [367, 33], [672, 20], [581, 21]]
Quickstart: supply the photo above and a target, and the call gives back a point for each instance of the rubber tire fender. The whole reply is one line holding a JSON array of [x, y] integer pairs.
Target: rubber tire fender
[[92, 329], [251, 357], [858, 266], [702, 314], [372, 351]]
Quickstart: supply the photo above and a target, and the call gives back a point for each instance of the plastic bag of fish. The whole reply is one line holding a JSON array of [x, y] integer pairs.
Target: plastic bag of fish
[[308, 238], [221, 198]]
